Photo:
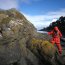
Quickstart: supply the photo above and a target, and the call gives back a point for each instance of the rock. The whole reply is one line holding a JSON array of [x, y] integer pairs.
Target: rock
[[13, 29], [20, 43]]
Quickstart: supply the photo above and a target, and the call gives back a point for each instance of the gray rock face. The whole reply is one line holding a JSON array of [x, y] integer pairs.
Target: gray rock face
[[20, 44], [15, 30]]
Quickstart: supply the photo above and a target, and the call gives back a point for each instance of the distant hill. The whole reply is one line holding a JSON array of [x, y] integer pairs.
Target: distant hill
[[60, 23]]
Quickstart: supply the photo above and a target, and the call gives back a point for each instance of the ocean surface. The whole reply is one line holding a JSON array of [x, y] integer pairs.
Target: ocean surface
[[42, 32]]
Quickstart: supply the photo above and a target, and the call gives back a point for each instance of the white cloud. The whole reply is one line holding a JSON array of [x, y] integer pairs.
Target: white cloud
[[41, 21], [7, 4]]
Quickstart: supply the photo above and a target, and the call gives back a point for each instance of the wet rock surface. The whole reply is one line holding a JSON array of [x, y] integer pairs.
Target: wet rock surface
[[21, 44]]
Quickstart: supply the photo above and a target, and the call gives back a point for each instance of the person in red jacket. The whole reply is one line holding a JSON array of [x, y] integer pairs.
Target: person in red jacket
[[56, 35]]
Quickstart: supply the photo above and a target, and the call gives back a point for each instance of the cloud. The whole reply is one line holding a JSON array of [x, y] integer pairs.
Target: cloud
[[41, 21], [7, 4]]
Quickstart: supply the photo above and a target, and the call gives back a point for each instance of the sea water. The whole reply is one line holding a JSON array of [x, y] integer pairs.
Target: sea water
[[42, 32]]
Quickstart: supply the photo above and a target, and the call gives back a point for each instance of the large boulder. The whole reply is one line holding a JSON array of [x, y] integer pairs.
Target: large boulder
[[14, 29], [20, 44]]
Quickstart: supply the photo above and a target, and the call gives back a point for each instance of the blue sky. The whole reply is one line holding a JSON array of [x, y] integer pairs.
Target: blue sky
[[39, 12]]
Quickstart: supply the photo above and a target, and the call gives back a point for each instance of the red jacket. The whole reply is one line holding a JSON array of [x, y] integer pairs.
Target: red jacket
[[55, 35]]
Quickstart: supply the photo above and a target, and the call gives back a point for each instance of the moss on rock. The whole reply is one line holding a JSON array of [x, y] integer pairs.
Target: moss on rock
[[44, 46]]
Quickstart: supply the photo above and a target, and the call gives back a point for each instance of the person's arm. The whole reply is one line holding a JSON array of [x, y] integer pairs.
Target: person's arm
[[49, 33]]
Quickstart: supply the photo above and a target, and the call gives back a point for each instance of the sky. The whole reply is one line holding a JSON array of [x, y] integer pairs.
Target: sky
[[39, 12]]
